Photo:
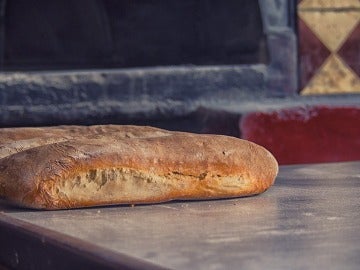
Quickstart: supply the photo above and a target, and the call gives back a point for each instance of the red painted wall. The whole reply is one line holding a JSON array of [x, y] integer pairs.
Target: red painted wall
[[308, 134]]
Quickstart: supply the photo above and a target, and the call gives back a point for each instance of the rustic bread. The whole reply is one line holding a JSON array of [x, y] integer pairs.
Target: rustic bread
[[13, 140], [148, 166]]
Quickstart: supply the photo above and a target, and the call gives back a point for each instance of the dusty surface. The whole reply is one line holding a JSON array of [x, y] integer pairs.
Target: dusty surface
[[308, 220]]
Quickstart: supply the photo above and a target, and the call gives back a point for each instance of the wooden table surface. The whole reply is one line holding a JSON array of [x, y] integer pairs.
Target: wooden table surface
[[310, 219]]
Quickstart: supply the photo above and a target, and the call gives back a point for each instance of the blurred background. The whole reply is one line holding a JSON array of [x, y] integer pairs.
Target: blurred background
[[282, 73]]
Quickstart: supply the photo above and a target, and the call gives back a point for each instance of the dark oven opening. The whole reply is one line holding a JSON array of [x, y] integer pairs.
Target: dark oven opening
[[82, 34], [191, 65]]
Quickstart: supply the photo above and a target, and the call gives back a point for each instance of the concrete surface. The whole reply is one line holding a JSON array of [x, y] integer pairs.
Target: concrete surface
[[309, 220]]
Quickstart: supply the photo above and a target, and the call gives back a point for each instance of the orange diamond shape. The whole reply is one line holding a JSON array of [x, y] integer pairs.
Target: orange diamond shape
[[333, 77], [331, 27]]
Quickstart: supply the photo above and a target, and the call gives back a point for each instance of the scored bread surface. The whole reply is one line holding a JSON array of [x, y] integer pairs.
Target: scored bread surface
[[129, 165], [13, 140]]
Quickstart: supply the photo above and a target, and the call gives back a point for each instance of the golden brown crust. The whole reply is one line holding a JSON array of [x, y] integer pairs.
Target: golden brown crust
[[151, 166], [13, 140]]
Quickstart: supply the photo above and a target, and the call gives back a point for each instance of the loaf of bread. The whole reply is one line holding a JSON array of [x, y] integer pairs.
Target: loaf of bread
[[73, 167]]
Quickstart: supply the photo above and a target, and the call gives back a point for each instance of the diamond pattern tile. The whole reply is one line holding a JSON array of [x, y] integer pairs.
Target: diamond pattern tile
[[350, 51], [313, 53], [333, 77], [331, 27], [336, 24]]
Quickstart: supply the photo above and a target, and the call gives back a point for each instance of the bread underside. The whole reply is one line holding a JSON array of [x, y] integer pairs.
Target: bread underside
[[73, 167]]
